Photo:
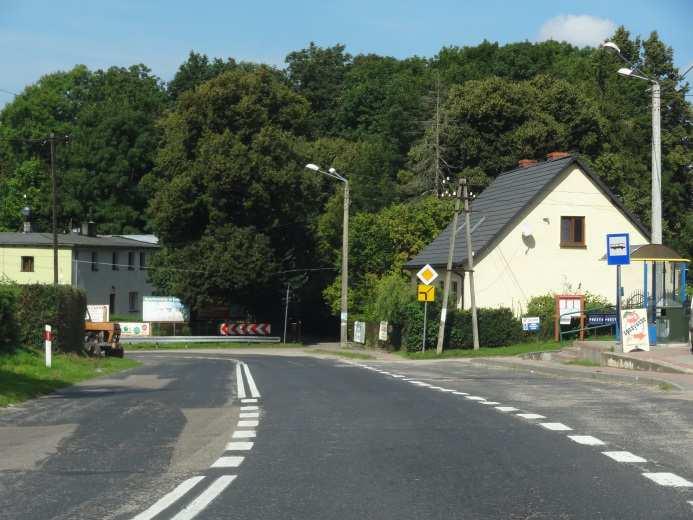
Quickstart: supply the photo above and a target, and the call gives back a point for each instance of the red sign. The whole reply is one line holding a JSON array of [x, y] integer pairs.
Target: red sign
[[245, 329], [47, 335]]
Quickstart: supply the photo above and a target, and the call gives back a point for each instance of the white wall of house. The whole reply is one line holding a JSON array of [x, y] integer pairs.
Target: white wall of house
[[122, 282], [519, 267]]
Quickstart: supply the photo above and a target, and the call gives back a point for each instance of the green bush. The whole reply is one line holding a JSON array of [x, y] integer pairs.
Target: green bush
[[63, 307], [412, 331], [9, 326], [497, 328]]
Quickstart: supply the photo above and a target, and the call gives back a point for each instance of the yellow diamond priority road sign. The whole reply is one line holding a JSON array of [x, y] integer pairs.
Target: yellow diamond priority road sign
[[427, 274], [426, 293]]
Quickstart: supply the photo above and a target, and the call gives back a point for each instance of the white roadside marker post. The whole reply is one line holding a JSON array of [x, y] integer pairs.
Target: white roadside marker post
[[48, 337]]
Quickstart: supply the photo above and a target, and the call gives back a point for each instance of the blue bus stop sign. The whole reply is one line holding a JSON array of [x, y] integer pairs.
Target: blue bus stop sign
[[618, 249]]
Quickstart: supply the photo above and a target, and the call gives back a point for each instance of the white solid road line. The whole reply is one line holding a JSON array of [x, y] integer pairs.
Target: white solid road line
[[460, 393], [506, 409], [530, 416], [227, 462], [205, 498], [239, 446], [239, 382], [249, 415], [254, 392], [249, 408], [248, 424], [556, 426], [668, 479], [243, 434], [587, 440], [474, 398], [249, 400], [623, 456], [168, 499]]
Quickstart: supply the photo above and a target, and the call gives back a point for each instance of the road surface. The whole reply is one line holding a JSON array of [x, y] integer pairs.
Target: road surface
[[233, 436]]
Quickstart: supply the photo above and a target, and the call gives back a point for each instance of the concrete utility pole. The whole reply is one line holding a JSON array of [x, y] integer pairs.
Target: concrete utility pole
[[656, 165], [286, 310], [54, 186], [344, 325], [448, 272], [470, 261]]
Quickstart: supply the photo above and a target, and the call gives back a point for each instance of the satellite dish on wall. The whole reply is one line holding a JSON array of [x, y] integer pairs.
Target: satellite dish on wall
[[526, 229]]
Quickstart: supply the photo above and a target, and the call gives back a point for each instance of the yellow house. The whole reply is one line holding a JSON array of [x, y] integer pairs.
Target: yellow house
[[537, 229], [112, 270]]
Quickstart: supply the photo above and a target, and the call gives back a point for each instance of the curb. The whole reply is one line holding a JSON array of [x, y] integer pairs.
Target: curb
[[575, 374]]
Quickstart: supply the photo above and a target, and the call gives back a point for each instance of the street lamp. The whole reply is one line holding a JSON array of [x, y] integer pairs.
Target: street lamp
[[633, 72], [345, 250]]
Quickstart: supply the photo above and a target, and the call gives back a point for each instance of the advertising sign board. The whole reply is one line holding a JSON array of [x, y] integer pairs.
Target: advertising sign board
[[97, 313], [634, 333], [360, 332], [163, 309], [382, 332], [531, 323], [129, 328]]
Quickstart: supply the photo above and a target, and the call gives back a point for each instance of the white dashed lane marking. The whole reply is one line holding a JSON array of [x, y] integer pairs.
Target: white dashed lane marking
[[530, 416], [205, 498], [249, 400], [460, 393], [248, 424], [623, 456], [587, 440], [239, 382], [668, 479], [506, 409], [168, 499], [249, 408], [556, 426], [489, 402], [475, 398], [243, 434], [228, 462], [249, 415], [239, 446]]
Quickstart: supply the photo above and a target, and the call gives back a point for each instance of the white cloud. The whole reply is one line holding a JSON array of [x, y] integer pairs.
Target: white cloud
[[579, 29]]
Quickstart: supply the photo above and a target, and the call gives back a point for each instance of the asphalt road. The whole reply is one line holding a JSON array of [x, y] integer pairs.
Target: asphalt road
[[326, 439]]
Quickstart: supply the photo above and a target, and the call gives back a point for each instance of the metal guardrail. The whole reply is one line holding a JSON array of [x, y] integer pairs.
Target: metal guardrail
[[200, 339]]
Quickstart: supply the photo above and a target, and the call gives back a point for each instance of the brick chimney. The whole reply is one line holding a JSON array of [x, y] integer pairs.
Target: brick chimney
[[552, 156], [526, 163]]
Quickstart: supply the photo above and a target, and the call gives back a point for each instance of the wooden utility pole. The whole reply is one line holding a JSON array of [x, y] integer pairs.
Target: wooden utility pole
[[54, 186], [437, 169], [448, 272], [470, 261]]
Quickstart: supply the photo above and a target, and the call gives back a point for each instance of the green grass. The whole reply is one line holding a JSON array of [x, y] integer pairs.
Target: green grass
[[583, 363], [342, 353], [510, 350], [666, 387], [221, 344], [23, 375]]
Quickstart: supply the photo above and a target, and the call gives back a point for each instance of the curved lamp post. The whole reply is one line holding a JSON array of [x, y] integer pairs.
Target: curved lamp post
[[345, 250]]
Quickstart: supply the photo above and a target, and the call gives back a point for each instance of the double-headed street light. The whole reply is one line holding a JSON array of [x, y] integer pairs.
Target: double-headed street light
[[633, 72], [345, 249]]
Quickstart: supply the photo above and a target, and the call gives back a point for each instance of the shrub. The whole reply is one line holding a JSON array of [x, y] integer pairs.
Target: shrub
[[63, 307], [497, 328], [412, 331], [9, 326]]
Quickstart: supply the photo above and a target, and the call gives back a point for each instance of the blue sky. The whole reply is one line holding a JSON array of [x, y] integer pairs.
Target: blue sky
[[38, 37]]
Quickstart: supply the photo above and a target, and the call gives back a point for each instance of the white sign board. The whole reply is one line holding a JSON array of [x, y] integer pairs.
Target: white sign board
[[134, 329], [531, 323], [634, 330], [163, 309], [382, 332], [567, 309], [97, 313], [360, 332], [427, 274]]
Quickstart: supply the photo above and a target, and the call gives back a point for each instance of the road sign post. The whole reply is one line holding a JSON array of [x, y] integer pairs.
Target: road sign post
[[618, 254], [426, 293]]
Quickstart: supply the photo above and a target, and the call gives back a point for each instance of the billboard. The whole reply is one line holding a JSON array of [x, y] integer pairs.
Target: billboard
[[162, 309], [134, 329]]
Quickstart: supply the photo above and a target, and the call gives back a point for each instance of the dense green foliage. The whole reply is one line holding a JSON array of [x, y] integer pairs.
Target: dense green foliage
[[214, 161], [63, 307], [9, 327]]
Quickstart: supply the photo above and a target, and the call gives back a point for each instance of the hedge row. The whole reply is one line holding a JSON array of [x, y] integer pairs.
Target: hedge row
[[497, 328], [26, 309]]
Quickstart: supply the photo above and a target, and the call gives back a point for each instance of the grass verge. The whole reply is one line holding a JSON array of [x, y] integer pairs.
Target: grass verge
[[510, 350], [23, 374], [220, 344], [342, 353]]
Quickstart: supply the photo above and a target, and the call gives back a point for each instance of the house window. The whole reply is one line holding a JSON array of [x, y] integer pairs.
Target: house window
[[143, 261], [94, 261], [133, 298], [572, 231], [27, 264], [131, 261], [114, 261]]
